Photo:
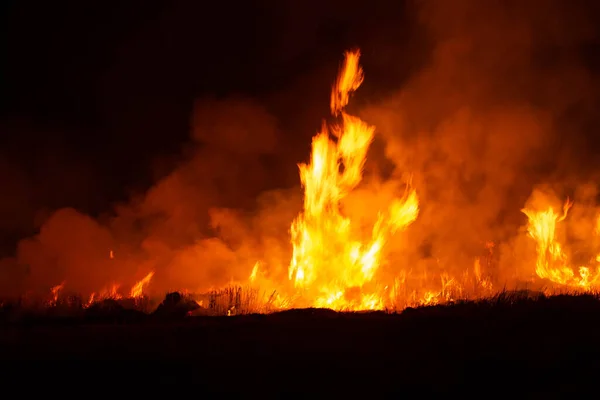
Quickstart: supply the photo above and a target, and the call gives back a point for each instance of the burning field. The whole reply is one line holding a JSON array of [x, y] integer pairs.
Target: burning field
[[441, 227], [351, 247]]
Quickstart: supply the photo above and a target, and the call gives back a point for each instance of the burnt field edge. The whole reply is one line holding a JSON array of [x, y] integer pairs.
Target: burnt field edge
[[177, 307]]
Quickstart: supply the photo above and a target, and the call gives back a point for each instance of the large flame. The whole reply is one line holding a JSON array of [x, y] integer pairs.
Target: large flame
[[331, 263], [552, 261]]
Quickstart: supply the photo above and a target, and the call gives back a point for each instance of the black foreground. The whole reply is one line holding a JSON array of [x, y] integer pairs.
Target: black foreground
[[515, 345]]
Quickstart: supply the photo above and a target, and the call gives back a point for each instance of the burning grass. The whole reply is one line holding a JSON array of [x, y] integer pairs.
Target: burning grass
[[239, 301], [228, 301], [343, 254]]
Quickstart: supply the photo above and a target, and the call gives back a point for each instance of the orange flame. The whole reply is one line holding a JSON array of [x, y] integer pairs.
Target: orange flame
[[349, 79], [55, 290], [552, 261], [137, 289], [112, 292], [330, 263], [336, 263], [254, 272]]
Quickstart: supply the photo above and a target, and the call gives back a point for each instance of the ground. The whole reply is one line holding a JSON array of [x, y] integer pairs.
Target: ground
[[540, 347]]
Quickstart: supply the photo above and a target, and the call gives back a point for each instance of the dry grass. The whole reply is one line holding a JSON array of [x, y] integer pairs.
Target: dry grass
[[238, 300], [244, 300]]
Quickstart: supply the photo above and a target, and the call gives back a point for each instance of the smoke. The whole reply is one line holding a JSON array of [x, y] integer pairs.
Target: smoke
[[489, 116], [499, 106], [196, 228]]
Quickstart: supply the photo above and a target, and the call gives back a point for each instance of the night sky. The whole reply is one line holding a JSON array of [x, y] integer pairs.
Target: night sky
[[98, 97]]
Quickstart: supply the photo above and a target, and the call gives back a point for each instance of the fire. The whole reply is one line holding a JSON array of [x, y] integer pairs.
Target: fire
[[111, 292], [254, 271], [349, 79], [137, 289], [331, 264], [338, 263], [552, 261], [55, 290]]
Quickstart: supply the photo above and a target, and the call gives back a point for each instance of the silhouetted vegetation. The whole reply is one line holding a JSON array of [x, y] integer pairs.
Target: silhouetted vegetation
[[175, 305], [518, 339], [236, 301]]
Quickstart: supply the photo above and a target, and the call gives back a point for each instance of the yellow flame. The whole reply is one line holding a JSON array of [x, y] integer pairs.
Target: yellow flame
[[137, 289], [552, 261], [254, 271], [330, 264]]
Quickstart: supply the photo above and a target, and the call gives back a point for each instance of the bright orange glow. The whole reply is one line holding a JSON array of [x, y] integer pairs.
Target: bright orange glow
[[552, 260], [254, 272], [137, 289], [109, 293], [331, 263], [347, 262], [349, 79]]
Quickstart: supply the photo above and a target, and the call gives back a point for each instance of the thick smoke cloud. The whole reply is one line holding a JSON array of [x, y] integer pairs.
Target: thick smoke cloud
[[488, 118], [496, 109], [196, 228]]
